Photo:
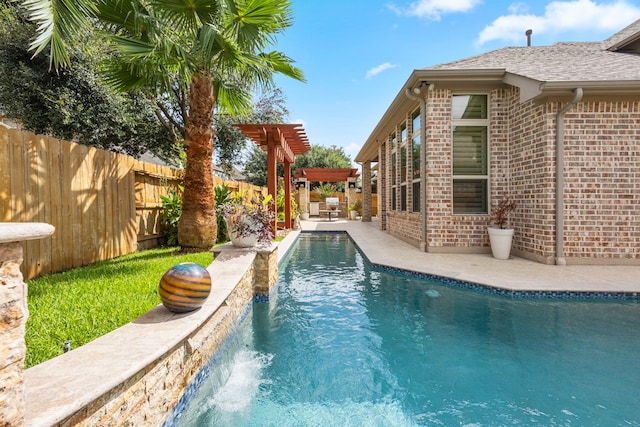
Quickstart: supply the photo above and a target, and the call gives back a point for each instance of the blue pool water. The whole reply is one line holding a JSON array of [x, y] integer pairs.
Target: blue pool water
[[345, 344]]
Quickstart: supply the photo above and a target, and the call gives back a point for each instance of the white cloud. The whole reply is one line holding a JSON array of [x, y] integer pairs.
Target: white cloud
[[380, 68], [560, 16], [352, 150], [434, 9]]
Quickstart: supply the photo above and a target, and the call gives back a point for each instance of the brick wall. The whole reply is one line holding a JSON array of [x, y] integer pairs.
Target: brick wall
[[405, 226], [602, 181], [531, 176]]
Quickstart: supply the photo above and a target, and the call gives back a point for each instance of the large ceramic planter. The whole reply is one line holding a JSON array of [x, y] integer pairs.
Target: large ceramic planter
[[304, 215], [246, 240], [500, 239], [353, 214], [185, 287], [243, 241]]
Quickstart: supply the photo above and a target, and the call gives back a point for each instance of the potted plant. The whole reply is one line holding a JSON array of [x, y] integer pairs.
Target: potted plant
[[325, 190], [303, 213], [354, 209], [248, 223], [501, 236]]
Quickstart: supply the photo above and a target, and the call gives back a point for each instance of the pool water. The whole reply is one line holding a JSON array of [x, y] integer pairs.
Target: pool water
[[344, 344]]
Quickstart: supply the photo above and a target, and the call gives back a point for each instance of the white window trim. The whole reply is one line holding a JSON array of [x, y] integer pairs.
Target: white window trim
[[473, 122]]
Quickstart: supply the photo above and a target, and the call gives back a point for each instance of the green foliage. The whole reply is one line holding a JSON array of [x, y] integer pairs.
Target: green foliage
[[255, 167], [324, 157], [229, 142], [223, 195], [356, 206], [171, 212], [73, 104], [83, 304], [325, 190], [245, 218]]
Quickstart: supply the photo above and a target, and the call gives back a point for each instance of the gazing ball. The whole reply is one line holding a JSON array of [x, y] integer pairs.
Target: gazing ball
[[185, 287]]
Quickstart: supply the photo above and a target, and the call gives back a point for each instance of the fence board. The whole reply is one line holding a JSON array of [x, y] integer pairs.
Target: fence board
[[56, 212], [43, 262], [5, 177], [102, 204]]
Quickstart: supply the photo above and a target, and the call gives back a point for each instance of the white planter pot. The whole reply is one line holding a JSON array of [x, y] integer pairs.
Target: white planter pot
[[304, 215], [353, 215], [243, 242], [247, 241], [500, 239]]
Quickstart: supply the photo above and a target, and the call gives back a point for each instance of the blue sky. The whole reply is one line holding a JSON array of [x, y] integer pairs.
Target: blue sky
[[357, 54]]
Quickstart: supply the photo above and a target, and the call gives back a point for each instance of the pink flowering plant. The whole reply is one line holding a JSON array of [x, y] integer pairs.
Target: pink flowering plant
[[503, 210], [249, 218]]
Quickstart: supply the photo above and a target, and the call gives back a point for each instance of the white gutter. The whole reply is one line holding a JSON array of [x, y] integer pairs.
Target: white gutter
[[423, 160], [560, 259]]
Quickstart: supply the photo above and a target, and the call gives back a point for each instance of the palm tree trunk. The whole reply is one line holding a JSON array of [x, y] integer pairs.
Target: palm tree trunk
[[197, 227]]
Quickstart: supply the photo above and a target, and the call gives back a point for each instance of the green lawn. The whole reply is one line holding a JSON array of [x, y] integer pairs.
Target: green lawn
[[83, 304]]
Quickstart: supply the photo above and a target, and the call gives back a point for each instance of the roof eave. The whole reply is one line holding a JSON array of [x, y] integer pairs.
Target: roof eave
[[400, 104]]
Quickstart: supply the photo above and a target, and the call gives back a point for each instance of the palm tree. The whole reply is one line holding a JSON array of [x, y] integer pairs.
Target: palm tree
[[211, 52]]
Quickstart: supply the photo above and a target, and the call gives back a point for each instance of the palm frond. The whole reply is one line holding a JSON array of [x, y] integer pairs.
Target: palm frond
[[58, 21], [256, 22], [282, 64], [188, 15]]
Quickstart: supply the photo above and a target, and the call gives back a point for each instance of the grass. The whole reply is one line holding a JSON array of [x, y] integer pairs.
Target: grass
[[85, 303]]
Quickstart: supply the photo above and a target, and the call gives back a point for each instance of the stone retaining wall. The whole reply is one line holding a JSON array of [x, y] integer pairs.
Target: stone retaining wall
[[137, 374], [13, 317]]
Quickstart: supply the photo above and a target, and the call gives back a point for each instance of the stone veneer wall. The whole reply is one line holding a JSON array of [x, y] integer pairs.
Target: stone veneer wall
[[149, 396], [13, 317]]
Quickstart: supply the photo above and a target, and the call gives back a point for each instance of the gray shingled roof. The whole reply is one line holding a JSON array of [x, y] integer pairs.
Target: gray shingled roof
[[629, 33], [561, 62]]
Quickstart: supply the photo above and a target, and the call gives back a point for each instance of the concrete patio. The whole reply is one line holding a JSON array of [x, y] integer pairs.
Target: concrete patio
[[514, 274]]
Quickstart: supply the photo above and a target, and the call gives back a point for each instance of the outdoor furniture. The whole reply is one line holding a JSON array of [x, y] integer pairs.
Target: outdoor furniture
[[331, 205], [330, 211]]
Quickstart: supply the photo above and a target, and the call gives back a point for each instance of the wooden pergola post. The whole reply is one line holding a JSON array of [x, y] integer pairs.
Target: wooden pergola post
[[287, 193], [272, 179], [282, 142]]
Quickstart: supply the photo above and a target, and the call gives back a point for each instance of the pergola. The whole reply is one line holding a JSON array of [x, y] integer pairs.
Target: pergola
[[282, 142], [327, 174], [304, 176]]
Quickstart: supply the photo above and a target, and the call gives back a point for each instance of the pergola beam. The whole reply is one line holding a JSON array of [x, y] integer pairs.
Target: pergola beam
[[282, 142]]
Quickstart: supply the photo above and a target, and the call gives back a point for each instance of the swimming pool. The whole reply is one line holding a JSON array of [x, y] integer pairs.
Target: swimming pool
[[345, 344]]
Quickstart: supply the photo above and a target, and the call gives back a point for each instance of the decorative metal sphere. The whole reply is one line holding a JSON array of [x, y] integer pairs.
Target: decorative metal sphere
[[185, 287]]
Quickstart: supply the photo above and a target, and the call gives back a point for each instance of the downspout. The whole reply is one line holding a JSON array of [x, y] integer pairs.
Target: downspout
[[560, 259], [423, 161]]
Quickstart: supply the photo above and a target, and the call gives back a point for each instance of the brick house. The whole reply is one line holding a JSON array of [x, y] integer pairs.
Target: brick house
[[556, 127]]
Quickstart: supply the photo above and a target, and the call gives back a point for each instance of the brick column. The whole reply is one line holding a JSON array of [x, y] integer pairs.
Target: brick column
[[366, 191], [13, 317], [383, 162]]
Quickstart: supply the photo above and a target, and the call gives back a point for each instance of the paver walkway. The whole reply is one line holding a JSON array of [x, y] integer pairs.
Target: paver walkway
[[515, 274]]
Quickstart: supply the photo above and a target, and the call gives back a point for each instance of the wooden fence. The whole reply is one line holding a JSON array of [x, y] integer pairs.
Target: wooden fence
[[102, 204]]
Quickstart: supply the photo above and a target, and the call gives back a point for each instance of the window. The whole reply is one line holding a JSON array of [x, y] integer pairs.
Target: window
[[415, 121], [416, 196], [394, 168], [403, 163], [393, 198], [470, 154], [415, 161]]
